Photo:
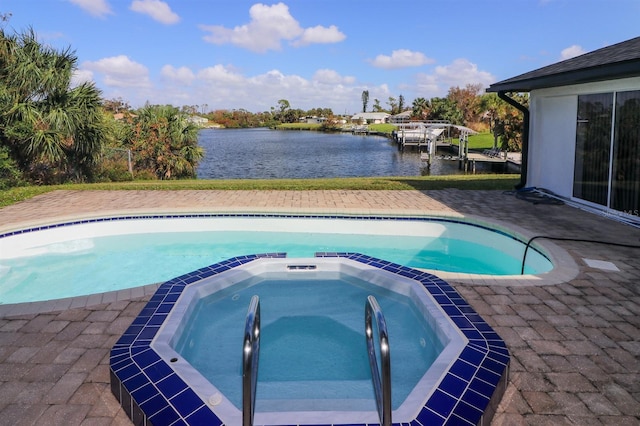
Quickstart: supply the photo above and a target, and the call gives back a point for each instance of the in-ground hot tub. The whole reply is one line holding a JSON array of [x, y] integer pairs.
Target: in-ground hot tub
[[448, 365], [313, 353]]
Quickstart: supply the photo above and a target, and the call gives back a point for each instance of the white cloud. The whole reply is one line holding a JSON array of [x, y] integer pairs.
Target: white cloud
[[457, 74], [275, 82], [572, 52], [427, 86], [81, 76], [98, 8], [327, 76], [156, 9], [401, 58], [182, 75], [320, 35], [219, 74], [223, 87], [462, 72], [119, 71], [268, 27]]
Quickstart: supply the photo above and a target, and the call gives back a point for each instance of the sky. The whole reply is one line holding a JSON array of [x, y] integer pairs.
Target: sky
[[237, 54]]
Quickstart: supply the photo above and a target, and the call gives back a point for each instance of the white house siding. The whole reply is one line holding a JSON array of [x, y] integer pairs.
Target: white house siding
[[371, 117], [552, 135], [552, 155]]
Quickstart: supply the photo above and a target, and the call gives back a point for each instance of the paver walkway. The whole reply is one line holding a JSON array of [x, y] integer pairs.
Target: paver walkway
[[575, 346]]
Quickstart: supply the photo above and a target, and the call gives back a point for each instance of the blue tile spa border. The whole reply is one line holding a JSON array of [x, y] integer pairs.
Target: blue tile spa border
[[151, 393]]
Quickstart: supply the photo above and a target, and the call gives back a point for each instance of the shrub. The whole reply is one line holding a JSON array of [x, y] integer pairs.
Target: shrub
[[10, 174]]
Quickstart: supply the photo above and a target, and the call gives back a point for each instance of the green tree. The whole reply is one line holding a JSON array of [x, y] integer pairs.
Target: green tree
[[445, 109], [509, 123], [165, 142], [365, 100], [292, 115], [320, 112], [283, 105], [376, 106], [116, 106], [51, 130], [467, 101], [393, 105], [10, 175], [420, 109], [493, 108], [114, 164]]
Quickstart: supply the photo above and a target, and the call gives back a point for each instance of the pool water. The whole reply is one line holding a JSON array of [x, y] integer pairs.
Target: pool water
[[312, 343], [95, 257], [153, 382]]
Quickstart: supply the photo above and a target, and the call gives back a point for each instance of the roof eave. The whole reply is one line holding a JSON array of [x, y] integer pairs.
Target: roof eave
[[613, 71]]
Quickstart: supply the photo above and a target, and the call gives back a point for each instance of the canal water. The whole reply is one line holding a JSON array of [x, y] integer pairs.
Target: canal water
[[271, 154]]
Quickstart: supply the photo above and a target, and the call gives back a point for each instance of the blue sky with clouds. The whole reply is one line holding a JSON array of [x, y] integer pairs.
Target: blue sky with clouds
[[231, 54]]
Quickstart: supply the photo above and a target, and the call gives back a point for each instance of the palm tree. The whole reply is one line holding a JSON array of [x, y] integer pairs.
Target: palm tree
[[54, 132], [420, 108], [365, 100], [165, 142], [505, 121]]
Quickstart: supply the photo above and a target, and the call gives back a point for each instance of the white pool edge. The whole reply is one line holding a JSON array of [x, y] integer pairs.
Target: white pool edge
[[565, 267]]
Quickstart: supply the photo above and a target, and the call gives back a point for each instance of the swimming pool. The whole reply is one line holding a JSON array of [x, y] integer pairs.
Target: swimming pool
[[54, 261], [155, 384]]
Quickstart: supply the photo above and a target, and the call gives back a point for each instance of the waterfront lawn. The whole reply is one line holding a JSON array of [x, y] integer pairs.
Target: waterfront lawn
[[479, 141], [464, 182], [298, 126], [383, 129]]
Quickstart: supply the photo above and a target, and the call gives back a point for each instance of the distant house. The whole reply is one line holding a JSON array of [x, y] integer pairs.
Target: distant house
[[403, 117], [197, 120], [121, 116], [582, 128], [313, 120], [370, 118]]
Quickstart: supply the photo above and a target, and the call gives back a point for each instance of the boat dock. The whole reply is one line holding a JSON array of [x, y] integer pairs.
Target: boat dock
[[468, 162], [475, 157], [361, 129], [423, 134]]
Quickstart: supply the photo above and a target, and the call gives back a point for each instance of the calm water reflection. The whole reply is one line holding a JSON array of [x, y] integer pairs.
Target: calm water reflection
[[269, 154]]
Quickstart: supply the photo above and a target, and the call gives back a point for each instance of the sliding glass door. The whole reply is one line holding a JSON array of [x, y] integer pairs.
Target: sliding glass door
[[625, 182], [593, 148], [607, 166]]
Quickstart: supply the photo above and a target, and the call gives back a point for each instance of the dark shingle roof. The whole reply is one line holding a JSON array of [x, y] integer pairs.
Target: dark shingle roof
[[620, 60]]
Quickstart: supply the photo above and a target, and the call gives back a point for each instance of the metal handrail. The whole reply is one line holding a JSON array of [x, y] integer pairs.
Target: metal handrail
[[381, 387], [250, 355]]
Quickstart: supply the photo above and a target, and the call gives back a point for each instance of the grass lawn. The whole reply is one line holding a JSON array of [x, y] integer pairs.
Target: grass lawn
[[479, 141], [298, 126], [469, 182]]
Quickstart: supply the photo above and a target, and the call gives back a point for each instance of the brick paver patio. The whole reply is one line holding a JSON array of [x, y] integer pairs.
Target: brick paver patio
[[575, 345]]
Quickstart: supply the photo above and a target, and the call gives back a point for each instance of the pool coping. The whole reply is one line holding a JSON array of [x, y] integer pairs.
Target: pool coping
[[565, 268], [468, 393], [307, 410]]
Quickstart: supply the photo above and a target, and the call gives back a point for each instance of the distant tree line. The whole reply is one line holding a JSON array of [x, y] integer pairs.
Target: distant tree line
[[54, 132], [467, 106]]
